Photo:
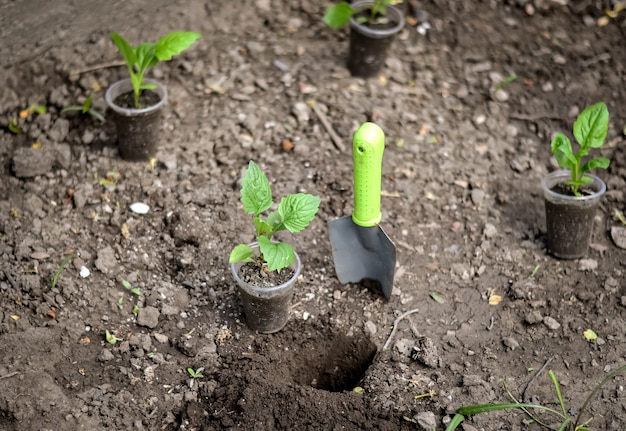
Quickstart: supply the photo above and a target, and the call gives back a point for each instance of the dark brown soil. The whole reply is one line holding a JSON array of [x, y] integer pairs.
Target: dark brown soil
[[469, 98]]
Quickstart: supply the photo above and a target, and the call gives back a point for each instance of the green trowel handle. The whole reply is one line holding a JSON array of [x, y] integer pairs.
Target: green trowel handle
[[367, 147]]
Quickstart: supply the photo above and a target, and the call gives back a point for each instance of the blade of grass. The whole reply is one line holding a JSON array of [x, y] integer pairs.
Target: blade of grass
[[60, 269], [557, 388]]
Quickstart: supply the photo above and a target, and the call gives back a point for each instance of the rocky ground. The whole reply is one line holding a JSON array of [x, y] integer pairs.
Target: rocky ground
[[469, 99]]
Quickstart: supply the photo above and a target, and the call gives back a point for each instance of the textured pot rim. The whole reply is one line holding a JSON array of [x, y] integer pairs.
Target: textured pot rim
[[124, 86], [562, 175], [235, 266], [359, 5]]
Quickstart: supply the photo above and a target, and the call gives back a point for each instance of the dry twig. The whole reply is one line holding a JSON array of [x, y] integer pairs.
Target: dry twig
[[329, 127], [395, 326]]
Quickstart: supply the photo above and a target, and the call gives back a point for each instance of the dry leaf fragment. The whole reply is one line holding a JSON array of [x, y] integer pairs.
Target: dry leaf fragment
[[494, 299], [287, 145]]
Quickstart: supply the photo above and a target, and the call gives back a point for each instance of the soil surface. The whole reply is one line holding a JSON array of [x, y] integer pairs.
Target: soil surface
[[482, 311]]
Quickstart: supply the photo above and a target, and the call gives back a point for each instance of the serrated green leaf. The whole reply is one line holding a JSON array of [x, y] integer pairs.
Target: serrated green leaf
[[298, 210], [174, 43], [591, 126], [256, 194], [241, 253], [277, 255], [339, 15]]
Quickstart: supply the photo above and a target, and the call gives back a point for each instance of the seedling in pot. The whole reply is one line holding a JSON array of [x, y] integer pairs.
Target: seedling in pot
[[85, 108], [339, 15], [294, 213], [148, 54], [590, 131]]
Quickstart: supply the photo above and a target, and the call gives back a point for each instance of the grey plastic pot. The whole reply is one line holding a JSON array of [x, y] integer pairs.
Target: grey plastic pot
[[266, 309], [369, 44], [570, 219], [138, 130]]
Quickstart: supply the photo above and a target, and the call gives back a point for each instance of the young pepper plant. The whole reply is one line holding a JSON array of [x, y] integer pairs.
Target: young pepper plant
[[148, 54], [294, 213], [339, 15], [590, 131]]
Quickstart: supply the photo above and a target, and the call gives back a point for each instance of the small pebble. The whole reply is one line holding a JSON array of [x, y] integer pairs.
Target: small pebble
[[551, 323], [587, 264], [84, 272], [510, 342], [534, 317], [105, 356], [370, 327]]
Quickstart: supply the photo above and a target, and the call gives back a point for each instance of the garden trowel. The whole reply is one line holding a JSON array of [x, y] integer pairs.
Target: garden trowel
[[361, 249]]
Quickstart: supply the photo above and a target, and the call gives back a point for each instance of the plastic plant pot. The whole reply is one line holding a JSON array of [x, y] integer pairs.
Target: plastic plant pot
[[138, 130], [570, 219], [266, 309], [369, 44]]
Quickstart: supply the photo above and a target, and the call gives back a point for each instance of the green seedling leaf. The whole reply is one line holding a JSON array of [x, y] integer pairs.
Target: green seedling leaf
[[135, 291], [37, 108], [277, 255], [128, 53], [298, 210], [408, 419], [256, 194], [357, 390], [562, 151], [60, 269], [263, 227], [241, 253], [174, 43], [339, 15], [135, 309], [196, 374], [111, 338], [619, 216], [535, 271], [598, 162], [435, 296], [13, 127], [592, 125], [590, 335], [512, 77], [126, 284]]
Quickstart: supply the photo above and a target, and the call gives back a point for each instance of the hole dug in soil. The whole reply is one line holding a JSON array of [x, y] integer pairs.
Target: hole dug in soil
[[338, 367]]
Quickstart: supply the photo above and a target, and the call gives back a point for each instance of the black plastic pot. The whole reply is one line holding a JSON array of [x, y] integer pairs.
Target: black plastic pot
[[369, 43], [138, 130], [570, 219], [266, 309]]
